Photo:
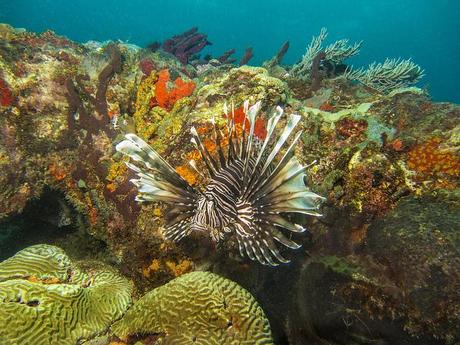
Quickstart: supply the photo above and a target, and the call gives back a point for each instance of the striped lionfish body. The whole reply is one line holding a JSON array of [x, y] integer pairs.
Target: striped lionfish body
[[251, 187]]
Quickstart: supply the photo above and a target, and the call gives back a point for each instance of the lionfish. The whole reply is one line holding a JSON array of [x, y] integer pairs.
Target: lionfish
[[251, 186]]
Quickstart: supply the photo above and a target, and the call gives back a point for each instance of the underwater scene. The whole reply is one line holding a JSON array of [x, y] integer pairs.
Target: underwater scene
[[230, 172]]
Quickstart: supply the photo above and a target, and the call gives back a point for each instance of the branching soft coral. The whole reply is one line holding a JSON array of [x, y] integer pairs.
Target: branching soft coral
[[166, 98]]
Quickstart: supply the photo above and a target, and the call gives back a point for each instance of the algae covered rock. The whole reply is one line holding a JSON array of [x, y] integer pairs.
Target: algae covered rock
[[198, 308], [403, 288], [47, 299], [419, 240], [239, 84], [340, 300]]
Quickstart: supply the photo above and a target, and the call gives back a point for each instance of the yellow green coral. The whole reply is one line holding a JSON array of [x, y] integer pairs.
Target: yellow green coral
[[116, 169], [145, 92], [147, 123], [40, 261], [170, 124], [156, 122], [46, 299], [198, 308], [239, 84]]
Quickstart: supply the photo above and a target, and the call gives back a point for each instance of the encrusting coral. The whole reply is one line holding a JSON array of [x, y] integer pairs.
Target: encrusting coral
[[6, 98], [46, 299], [197, 308], [430, 159], [238, 85]]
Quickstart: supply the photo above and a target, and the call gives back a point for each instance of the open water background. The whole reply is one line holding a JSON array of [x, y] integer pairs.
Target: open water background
[[428, 31]]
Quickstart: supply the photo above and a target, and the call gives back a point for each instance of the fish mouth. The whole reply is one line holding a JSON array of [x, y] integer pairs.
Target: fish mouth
[[215, 234]]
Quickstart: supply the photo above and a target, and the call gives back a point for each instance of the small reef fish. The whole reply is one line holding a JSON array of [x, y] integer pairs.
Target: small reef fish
[[251, 187]]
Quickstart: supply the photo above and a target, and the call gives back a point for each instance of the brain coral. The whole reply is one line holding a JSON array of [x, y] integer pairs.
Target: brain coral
[[198, 308], [46, 299]]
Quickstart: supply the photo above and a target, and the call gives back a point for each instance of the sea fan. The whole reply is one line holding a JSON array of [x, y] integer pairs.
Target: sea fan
[[251, 187]]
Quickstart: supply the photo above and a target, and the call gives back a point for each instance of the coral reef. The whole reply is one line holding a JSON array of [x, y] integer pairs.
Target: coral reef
[[377, 152], [47, 299], [398, 291], [198, 307]]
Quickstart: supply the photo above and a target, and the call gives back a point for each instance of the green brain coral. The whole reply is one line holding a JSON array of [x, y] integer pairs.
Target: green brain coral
[[40, 261], [198, 308], [46, 299]]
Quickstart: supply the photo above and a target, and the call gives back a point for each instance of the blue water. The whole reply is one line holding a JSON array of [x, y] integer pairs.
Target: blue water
[[427, 31]]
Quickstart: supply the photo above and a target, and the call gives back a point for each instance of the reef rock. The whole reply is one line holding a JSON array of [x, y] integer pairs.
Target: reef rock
[[237, 85], [403, 288], [47, 299], [197, 308], [419, 241]]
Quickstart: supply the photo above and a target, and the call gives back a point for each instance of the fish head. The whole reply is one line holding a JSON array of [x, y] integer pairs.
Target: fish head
[[210, 217]]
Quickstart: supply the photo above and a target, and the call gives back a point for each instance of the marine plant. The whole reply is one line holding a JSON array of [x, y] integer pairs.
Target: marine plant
[[250, 186], [383, 77]]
